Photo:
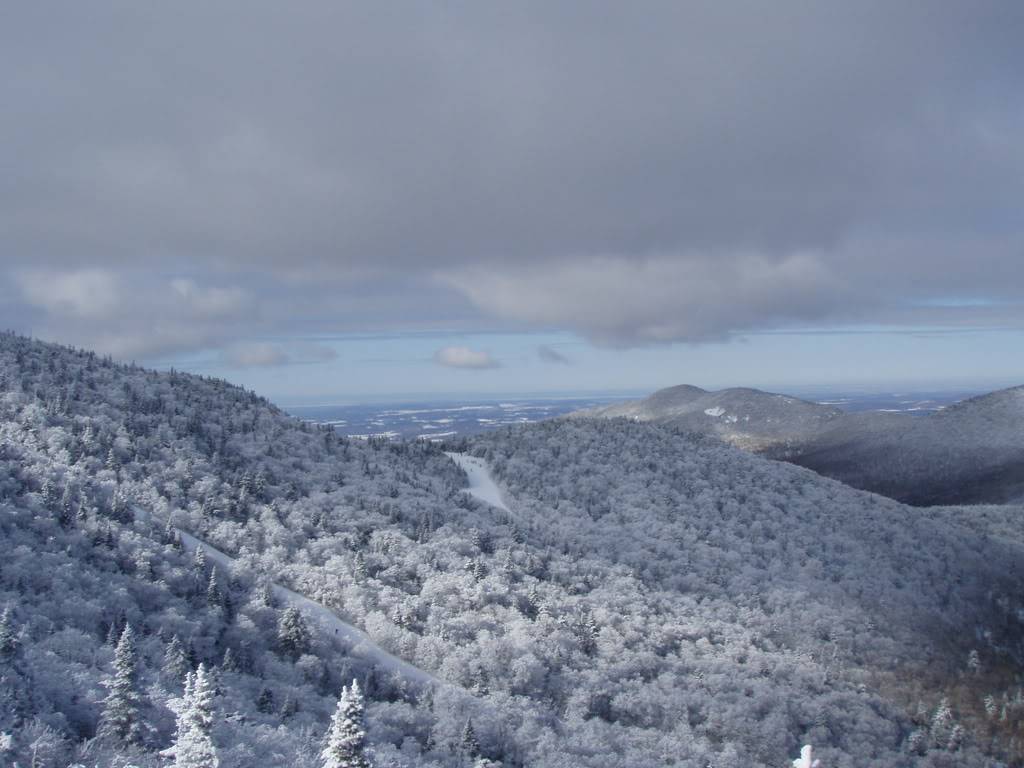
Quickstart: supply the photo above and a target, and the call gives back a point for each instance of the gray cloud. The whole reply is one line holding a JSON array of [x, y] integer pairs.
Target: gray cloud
[[464, 357], [639, 174], [549, 355]]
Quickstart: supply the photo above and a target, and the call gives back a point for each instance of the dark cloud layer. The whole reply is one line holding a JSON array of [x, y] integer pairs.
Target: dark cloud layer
[[635, 172]]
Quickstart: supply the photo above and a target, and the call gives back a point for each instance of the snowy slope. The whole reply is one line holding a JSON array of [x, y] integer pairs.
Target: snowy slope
[[350, 639], [481, 482], [658, 599]]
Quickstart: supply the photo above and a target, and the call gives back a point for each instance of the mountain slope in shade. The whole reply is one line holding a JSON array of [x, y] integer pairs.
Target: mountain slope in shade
[[969, 453]]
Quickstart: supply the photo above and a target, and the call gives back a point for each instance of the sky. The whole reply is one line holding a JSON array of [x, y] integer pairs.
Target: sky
[[328, 201]]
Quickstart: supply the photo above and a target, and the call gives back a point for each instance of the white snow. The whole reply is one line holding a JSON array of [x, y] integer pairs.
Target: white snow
[[354, 641], [481, 484], [716, 411]]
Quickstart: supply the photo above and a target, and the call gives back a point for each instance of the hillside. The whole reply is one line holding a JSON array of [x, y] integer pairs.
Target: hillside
[[971, 452], [968, 453], [645, 597]]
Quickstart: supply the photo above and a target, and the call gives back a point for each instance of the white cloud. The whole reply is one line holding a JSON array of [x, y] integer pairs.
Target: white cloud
[[211, 301], [78, 293], [464, 357], [133, 314]]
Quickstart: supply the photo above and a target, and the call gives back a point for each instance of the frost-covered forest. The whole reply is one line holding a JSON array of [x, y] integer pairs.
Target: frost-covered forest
[[651, 598]]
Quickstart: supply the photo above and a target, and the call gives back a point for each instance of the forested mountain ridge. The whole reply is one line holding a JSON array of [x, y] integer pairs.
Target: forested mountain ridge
[[651, 599], [971, 452], [968, 453]]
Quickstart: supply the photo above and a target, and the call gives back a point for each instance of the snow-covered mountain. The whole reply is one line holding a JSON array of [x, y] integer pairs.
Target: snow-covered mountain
[[612, 593], [971, 452]]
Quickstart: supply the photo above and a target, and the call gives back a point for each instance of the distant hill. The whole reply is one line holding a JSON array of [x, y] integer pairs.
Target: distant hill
[[971, 452], [746, 418]]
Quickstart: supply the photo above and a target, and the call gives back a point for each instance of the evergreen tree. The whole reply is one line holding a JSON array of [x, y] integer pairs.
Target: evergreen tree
[[807, 759], [942, 724], [67, 508], [8, 635], [346, 738], [176, 663], [48, 493], [121, 719], [213, 594], [292, 633], [193, 743], [265, 701], [469, 744]]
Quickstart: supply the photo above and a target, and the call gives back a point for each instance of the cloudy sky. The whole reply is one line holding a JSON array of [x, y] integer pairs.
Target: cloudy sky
[[345, 198]]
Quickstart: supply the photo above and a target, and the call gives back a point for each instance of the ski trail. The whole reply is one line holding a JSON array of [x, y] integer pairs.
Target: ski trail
[[481, 483], [354, 640]]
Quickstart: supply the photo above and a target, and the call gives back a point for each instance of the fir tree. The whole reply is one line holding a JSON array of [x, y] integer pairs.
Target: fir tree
[[346, 738], [193, 743], [48, 493], [265, 701], [176, 663], [67, 508], [942, 724], [469, 744], [292, 633], [8, 635], [806, 759], [120, 719], [213, 594]]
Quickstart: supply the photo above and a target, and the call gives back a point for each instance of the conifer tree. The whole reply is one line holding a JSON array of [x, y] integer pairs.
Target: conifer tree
[[346, 739], [8, 635], [213, 594], [807, 759], [193, 743], [942, 724], [121, 717], [469, 744], [176, 663], [292, 633]]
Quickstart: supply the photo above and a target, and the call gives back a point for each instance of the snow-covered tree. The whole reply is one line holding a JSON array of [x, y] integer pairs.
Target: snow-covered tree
[[807, 759], [193, 744], [942, 724], [292, 633], [469, 745], [346, 739], [176, 664], [121, 718], [8, 634]]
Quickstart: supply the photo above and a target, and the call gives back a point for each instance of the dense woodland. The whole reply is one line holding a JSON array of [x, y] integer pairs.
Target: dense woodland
[[653, 598]]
